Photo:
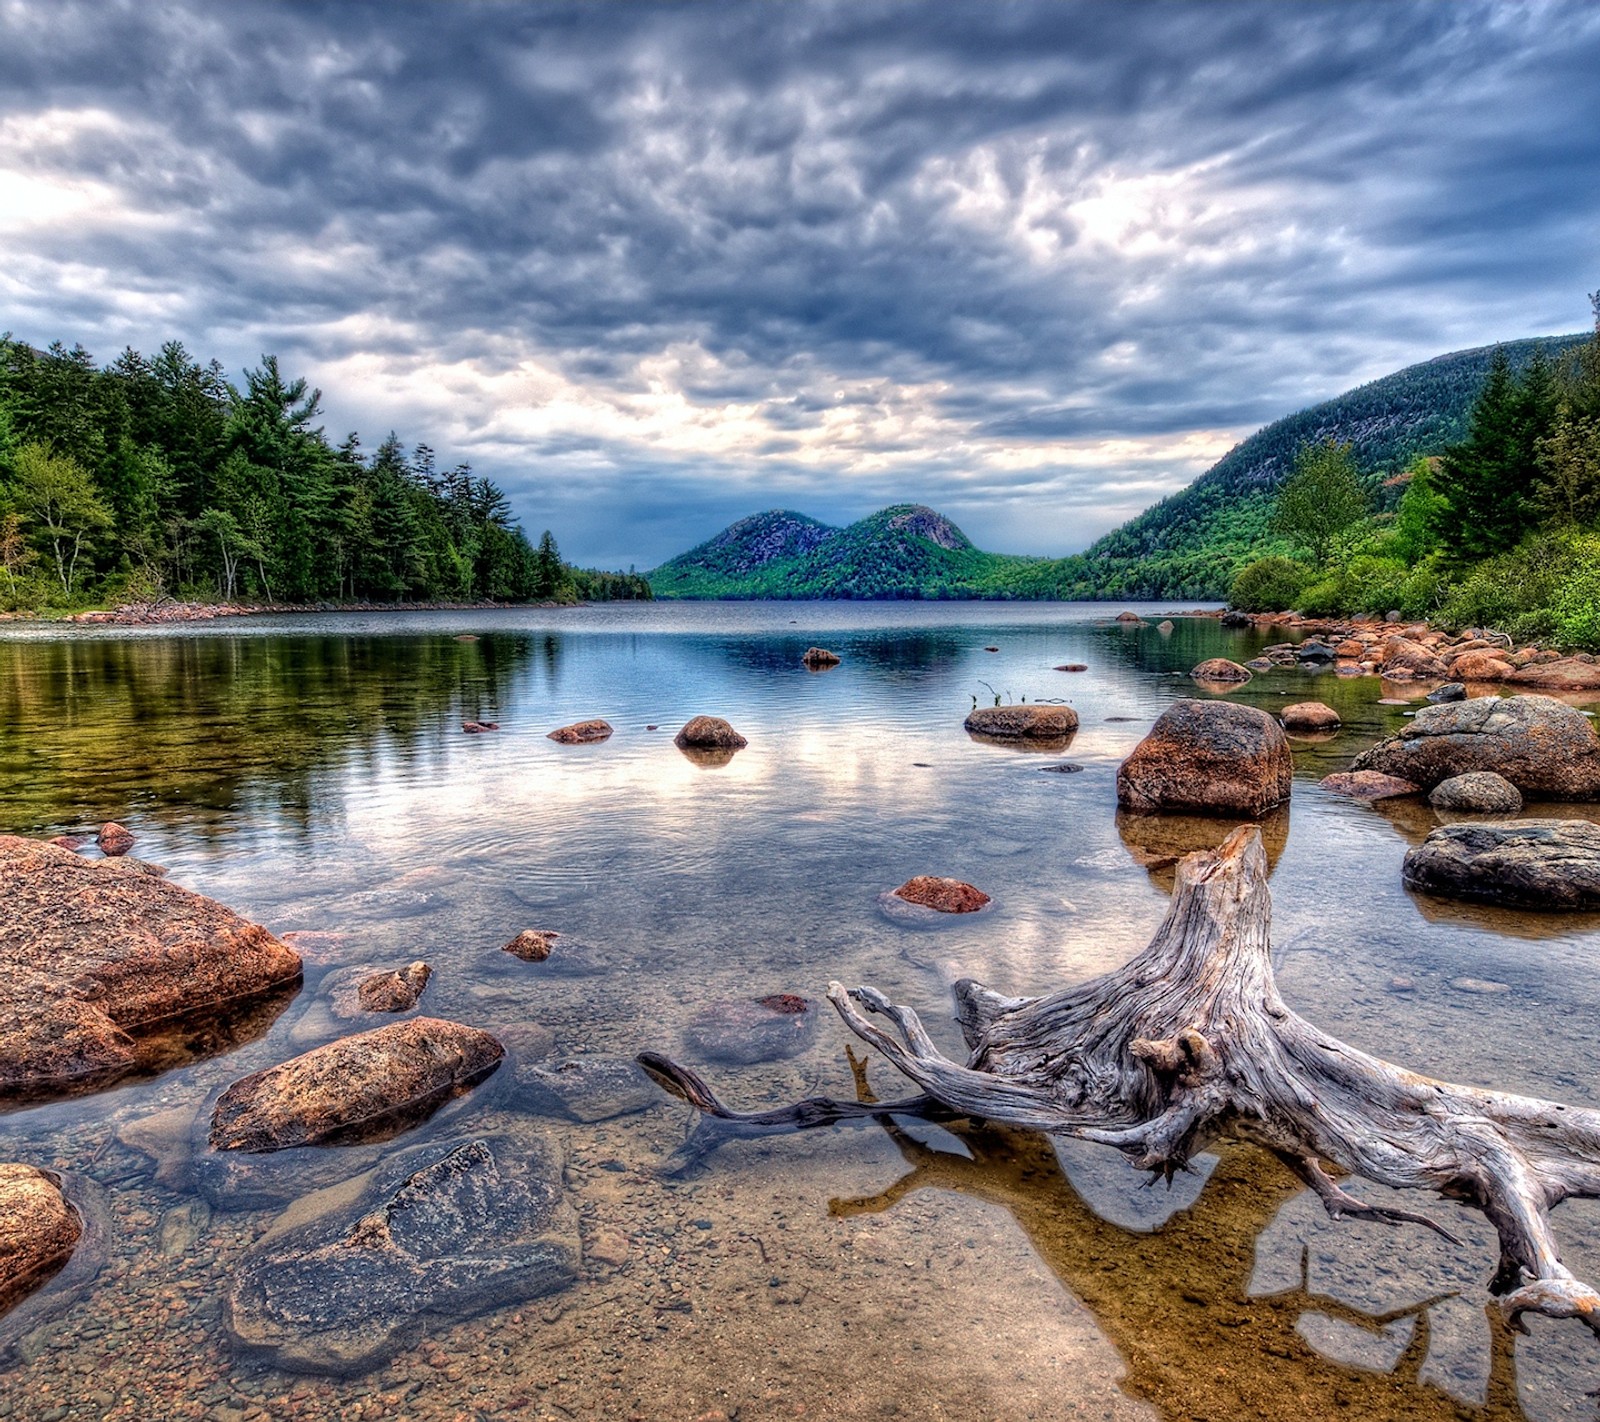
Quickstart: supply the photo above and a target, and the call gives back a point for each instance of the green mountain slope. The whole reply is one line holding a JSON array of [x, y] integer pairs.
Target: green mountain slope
[[1192, 542], [1187, 546]]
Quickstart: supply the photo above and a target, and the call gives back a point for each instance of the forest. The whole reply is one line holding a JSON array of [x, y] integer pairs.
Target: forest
[[1500, 529], [157, 477]]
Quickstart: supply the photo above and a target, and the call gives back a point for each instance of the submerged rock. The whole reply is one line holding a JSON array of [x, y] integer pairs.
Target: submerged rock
[[745, 1031], [1481, 792], [816, 658], [379, 990], [444, 1231], [1210, 757], [1544, 747], [1073, 666], [581, 733], [708, 733], [374, 1083], [587, 1088], [38, 1230], [1536, 864], [532, 945], [1368, 785], [942, 895], [1220, 669], [92, 953], [1023, 722]]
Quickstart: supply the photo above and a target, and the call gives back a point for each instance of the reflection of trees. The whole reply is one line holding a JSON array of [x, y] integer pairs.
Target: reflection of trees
[[225, 724], [1175, 1301]]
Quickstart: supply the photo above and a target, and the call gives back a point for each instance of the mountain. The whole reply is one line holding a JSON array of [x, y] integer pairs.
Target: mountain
[[907, 551], [1192, 542], [1187, 546]]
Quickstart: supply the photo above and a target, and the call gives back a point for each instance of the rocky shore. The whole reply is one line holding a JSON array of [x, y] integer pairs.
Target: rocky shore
[[1415, 651], [156, 614]]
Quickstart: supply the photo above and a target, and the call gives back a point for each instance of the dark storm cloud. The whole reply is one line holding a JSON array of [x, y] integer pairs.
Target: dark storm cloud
[[655, 266]]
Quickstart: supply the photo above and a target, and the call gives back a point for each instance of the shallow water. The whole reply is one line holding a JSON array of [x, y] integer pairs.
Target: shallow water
[[311, 772]]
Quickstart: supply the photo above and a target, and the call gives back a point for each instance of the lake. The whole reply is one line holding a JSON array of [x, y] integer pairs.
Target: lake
[[311, 772]]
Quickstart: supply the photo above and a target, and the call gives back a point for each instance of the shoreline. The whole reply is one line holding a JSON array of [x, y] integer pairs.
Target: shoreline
[[178, 613]]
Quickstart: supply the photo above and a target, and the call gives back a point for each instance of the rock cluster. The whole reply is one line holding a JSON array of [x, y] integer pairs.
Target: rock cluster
[[1211, 757], [1544, 747]]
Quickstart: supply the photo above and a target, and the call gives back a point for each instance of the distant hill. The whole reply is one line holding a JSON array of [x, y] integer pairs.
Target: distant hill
[[1187, 546], [907, 551]]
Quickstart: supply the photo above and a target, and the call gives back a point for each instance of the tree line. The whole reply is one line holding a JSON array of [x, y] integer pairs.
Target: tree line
[[158, 476], [1502, 529]]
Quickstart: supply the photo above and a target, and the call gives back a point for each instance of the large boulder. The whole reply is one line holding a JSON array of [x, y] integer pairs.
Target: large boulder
[[370, 1084], [445, 1230], [1536, 864], [94, 952], [1025, 722], [39, 1230], [1478, 792], [1544, 747], [708, 733], [1212, 757], [1481, 664]]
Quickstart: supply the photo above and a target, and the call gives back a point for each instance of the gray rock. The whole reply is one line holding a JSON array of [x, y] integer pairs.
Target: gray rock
[[586, 1088], [1450, 691], [1540, 864], [744, 1031], [1480, 792], [444, 1231], [1544, 747]]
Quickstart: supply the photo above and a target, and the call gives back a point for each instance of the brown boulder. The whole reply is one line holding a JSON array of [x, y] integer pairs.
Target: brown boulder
[[113, 839], [532, 945], [477, 728], [818, 657], [1368, 785], [942, 895], [1562, 674], [1350, 650], [1480, 665], [709, 733], [1404, 657], [38, 1230], [1309, 716], [581, 733], [1024, 722], [1220, 669], [1214, 757], [94, 951], [1129, 617], [1544, 747], [368, 1085]]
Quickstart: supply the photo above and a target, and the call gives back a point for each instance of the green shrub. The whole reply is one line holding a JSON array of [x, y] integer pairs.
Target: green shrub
[[1267, 585], [1514, 592], [1575, 604], [1325, 597]]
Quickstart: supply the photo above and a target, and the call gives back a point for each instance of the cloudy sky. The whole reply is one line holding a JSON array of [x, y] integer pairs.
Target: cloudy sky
[[653, 267]]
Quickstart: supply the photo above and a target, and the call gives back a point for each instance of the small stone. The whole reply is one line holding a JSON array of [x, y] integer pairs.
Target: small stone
[[394, 991], [607, 1246], [709, 733], [1402, 985], [113, 839], [1073, 667], [1309, 716], [532, 945], [1368, 785], [1450, 691], [816, 658], [1483, 987]]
